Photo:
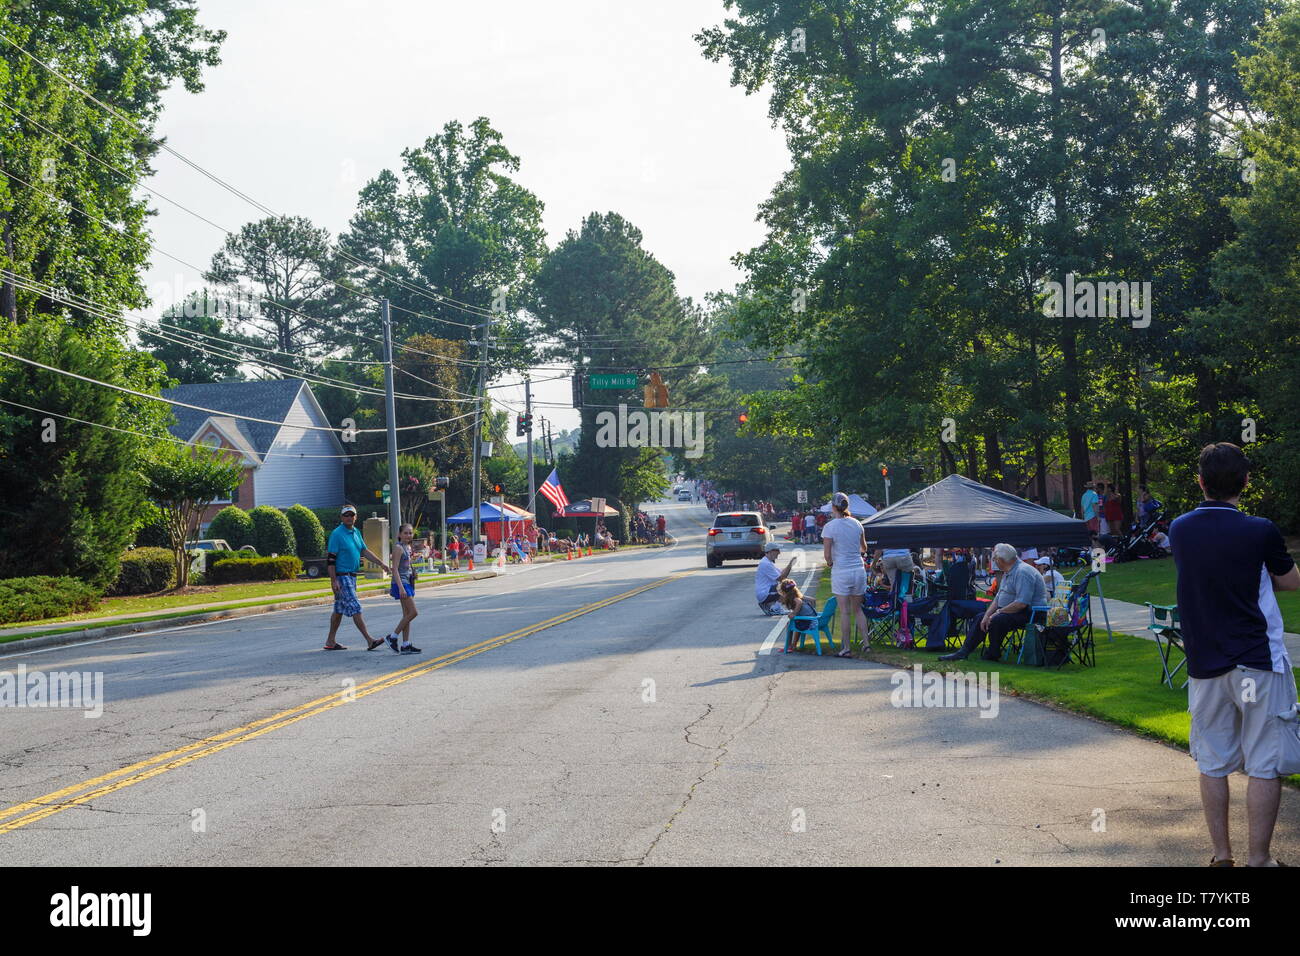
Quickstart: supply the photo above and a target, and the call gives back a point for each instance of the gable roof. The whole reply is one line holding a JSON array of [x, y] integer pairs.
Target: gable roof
[[959, 513], [271, 399]]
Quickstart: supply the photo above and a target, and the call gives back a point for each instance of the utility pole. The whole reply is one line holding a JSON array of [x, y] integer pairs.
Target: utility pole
[[528, 418], [395, 497], [476, 486]]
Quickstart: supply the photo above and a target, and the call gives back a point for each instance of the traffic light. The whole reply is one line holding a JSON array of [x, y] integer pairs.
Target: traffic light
[[743, 418], [496, 489], [442, 484], [527, 419], [577, 390], [520, 431], [884, 471]]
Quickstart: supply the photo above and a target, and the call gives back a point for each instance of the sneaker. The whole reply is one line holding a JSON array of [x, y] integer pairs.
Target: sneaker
[[410, 649], [392, 642]]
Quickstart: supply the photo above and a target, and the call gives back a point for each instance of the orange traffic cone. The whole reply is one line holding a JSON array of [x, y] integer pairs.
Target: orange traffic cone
[[568, 555], [471, 562]]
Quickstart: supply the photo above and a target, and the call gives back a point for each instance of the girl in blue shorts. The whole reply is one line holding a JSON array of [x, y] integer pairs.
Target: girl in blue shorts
[[403, 590]]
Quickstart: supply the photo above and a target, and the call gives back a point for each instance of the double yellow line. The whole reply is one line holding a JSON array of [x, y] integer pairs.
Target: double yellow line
[[21, 814]]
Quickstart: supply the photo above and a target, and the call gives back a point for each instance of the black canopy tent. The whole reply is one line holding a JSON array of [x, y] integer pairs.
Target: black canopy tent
[[959, 513]]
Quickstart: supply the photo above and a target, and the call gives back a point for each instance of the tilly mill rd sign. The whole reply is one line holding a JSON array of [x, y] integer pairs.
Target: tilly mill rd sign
[[611, 381]]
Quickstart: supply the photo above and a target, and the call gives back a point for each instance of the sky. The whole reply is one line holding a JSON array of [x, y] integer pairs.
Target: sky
[[610, 106]]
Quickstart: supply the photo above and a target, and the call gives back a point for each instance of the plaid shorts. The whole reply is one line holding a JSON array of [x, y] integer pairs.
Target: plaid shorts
[[345, 602]]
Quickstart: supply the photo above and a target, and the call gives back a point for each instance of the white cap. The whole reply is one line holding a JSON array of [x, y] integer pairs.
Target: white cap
[[1044, 560]]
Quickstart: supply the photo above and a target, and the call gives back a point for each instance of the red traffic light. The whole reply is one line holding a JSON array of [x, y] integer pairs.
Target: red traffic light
[[884, 471], [743, 418]]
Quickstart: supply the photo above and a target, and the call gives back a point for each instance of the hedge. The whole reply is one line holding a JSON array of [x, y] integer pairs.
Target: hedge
[[232, 524], [144, 571], [272, 533], [254, 569], [153, 534], [41, 597], [308, 534]]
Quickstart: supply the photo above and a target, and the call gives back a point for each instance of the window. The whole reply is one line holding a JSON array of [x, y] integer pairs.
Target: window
[[736, 521]]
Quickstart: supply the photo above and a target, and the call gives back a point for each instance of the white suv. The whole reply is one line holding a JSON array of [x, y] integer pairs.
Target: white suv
[[736, 534]]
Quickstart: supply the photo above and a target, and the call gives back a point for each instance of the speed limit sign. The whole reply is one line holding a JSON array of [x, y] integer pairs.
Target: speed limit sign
[[801, 497]]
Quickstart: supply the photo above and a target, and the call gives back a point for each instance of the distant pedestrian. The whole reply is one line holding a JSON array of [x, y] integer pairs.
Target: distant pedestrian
[[345, 550], [1114, 511], [1240, 687], [661, 528], [403, 589], [1089, 506]]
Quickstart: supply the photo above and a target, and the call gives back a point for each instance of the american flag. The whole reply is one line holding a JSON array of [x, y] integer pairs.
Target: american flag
[[553, 492]]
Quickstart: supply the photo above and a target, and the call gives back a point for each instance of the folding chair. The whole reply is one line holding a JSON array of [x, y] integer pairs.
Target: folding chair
[[1168, 634], [822, 624], [1077, 634], [882, 610]]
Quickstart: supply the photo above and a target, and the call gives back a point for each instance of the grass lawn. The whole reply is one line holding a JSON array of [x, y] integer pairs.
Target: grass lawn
[[1124, 688], [248, 594], [1140, 581]]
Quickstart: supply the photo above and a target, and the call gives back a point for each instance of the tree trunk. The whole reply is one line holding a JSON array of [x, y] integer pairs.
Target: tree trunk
[[1126, 474], [993, 460], [8, 292]]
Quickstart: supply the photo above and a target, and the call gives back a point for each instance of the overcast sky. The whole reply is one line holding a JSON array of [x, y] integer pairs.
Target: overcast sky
[[609, 106]]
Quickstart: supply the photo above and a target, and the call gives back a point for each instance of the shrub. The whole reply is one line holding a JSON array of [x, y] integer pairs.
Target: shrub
[[308, 534], [41, 597], [272, 533], [329, 518], [233, 524], [254, 569], [146, 570], [153, 534]]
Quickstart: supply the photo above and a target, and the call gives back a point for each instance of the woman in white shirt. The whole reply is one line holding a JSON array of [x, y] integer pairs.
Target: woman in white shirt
[[843, 544]]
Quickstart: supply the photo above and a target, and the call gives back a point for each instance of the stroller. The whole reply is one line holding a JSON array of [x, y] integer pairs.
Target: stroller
[[1135, 545]]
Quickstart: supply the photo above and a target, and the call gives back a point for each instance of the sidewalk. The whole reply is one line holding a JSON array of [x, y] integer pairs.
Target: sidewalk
[[1132, 619]]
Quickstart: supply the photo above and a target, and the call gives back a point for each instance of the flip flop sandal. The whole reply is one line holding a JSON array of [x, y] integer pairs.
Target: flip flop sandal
[[376, 645], [334, 647], [845, 653], [1217, 862]]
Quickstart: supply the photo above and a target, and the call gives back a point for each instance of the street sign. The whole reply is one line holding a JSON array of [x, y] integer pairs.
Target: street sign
[[388, 494], [437, 495], [612, 381], [801, 497], [598, 506]]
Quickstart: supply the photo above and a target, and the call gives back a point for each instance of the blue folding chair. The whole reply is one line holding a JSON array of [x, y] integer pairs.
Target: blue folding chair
[[819, 625]]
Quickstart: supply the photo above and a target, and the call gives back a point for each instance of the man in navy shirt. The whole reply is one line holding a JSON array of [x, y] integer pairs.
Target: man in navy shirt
[[1240, 679]]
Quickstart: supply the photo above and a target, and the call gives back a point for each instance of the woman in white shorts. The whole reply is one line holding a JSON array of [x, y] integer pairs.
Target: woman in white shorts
[[843, 544]]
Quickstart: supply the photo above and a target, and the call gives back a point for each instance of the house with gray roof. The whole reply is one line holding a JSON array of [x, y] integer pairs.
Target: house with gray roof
[[284, 462]]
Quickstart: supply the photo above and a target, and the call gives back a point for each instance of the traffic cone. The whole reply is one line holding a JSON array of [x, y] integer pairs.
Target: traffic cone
[[501, 558], [568, 555], [471, 561]]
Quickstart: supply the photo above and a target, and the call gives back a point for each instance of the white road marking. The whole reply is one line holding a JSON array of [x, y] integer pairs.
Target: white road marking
[[779, 628]]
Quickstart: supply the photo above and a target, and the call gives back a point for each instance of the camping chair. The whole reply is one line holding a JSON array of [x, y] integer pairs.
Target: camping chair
[[821, 624], [1074, 640], [1168, 634], [882, 611]]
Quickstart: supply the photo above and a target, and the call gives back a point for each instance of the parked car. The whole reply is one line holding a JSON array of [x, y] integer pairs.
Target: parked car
[[684, 494], [736, 534], [195, 549]]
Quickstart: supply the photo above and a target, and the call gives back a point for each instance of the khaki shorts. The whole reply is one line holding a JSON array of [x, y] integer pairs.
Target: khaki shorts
[[896, 562], [1235, 722]]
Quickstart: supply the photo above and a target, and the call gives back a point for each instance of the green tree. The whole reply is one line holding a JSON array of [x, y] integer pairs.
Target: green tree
[[177, 341], [70, 216], [286, 266], [73, 494], [181, 481], [453, 224]]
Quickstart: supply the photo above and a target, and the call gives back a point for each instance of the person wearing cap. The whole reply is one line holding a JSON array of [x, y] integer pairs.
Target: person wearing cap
[[843, 545], [1051, 577], [768, 577], [345, 550]]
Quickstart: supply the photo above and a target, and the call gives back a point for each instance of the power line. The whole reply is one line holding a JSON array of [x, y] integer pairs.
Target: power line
[[213, 411], [267, 210], [93, 308], [181, 441]]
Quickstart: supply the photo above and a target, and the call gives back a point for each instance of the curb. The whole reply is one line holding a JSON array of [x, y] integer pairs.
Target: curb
[[142, 627]]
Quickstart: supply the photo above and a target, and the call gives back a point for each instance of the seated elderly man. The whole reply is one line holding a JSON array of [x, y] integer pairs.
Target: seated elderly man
[[1020, 587]]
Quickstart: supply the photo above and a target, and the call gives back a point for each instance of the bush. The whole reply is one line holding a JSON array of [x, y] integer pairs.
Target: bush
[[308, 534], [233, 524], [146, 570], [254, 569], [153, 534], [329, 518], [272, 533], [41, 597]]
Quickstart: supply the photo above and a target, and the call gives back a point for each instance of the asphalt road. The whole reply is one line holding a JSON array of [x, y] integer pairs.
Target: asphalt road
[[641, 725]]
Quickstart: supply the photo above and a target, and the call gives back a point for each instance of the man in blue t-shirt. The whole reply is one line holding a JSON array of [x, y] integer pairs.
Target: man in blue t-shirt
[[1239, 674], [344, 552]]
